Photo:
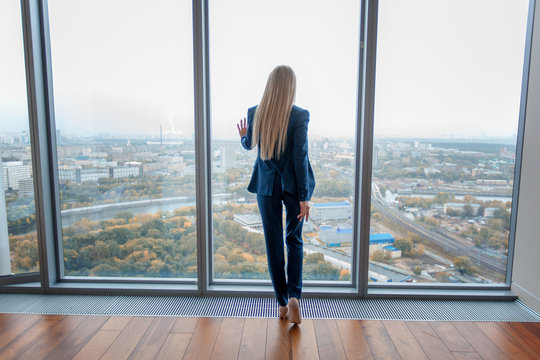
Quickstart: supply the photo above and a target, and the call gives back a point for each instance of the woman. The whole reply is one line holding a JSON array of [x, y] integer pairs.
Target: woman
[[282, 174]]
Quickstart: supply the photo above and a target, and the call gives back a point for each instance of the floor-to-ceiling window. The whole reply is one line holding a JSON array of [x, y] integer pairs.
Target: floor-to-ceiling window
[[126, 92], [123, 93], [447, 101], [320, 41], [18, 236]]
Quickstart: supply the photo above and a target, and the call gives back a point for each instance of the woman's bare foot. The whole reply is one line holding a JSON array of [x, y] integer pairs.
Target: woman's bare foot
[[294, 311]]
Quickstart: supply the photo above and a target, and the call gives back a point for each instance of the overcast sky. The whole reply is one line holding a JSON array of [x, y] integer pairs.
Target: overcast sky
[[448, 68]]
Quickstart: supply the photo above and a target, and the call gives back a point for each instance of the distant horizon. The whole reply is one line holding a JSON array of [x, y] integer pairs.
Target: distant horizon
[[432, 77], [508, 140]]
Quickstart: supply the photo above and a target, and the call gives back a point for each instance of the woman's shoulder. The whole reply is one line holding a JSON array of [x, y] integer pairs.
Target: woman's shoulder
[[298, 109], [299, 113]]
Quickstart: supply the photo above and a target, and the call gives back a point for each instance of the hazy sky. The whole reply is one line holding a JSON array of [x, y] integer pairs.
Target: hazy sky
[[448, 68]]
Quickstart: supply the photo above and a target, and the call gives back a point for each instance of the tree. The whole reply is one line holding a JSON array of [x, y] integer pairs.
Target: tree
[[443, 197], [378, 256], [344, 275], [464, 265], [405, 245], [314, 258], [344, 162], [468, 211]]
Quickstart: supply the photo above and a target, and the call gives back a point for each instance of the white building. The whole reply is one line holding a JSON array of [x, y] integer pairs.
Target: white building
[[339, 236], [15, 171], [460, 208], [67, 174], [124, 171], [26, 186], [92, 174], [252, 221], [332, 211], [490, 212]]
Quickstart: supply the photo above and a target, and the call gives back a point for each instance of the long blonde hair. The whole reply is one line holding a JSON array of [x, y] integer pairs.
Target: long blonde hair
[[272, 115]]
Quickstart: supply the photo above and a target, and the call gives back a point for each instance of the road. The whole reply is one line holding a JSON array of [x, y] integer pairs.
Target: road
[[444, 242], [451, 246]]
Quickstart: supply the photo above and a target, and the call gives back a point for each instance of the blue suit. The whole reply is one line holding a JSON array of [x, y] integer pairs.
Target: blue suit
[[293, 165], [287, 181]]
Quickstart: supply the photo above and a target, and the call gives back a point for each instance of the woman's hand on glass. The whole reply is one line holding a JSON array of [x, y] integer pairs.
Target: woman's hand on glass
[[242, 127], [304, 211]]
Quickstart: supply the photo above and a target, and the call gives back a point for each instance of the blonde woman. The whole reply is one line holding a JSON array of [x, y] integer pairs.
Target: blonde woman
[[282, 175]]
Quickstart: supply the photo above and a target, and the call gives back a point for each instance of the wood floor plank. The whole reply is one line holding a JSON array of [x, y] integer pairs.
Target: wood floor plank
[[479, 341], [52, 338], [525, 338], [174, 347], [452, 338], [354, 340], [253, 344], [6, 319], [467, 355], [152, 341], [524, 332], [304, 341], [428, 339], [16, 347], [97, 345], [75, 341], [328, 340], [185, 325], [403, 340], [228, 339], [116, 323], [128, 339], [53, 317], [17, 328], [203, 339], [84, 337], [378, 340], [278, 340], [533, 327], [503, 340]]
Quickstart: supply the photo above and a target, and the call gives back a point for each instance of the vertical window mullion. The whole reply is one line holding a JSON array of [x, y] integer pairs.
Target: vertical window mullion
[[202, 136], [40, 112], [365, 136]]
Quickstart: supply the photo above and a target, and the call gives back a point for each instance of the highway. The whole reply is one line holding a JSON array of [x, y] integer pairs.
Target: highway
[[451, 246]]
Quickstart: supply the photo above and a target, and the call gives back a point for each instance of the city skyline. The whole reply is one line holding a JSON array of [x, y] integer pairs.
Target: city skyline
[[466, 106]]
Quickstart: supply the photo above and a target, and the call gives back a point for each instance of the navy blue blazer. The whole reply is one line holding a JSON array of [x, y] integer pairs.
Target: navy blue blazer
[[293, 165]]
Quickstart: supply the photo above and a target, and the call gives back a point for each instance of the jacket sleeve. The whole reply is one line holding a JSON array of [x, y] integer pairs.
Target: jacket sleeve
[[246, 139], [300, 156]]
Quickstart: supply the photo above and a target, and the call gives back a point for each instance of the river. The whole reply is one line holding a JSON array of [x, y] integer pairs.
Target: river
[[150, 206], [391, 197]]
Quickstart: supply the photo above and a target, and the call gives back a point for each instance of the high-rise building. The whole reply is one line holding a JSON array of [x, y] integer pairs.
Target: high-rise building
[[15, 171]]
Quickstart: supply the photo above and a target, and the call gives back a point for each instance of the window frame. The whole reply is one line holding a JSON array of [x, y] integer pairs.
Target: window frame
[[48, 221]]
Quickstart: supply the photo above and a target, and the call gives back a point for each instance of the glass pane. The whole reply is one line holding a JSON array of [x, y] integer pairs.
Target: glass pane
[[18, 237], [123, 88], [320, 41], [446, 118]]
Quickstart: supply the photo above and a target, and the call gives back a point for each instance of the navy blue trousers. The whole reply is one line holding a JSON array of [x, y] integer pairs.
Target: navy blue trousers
[[271, 209]]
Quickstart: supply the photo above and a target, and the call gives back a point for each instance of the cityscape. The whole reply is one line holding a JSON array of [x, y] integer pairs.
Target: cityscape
[[440, 209]]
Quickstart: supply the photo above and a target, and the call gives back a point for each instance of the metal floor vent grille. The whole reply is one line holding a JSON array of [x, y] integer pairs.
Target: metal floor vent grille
[[368, 309]]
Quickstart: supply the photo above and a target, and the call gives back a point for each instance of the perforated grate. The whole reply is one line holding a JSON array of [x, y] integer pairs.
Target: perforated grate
[[368, 309]]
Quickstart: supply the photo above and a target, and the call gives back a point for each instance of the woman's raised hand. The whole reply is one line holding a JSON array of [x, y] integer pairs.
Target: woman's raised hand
[[242, 127], [304, 211]]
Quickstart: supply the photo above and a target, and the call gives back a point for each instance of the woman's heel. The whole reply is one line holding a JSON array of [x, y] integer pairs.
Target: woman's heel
[[294, 311], [283, 312]]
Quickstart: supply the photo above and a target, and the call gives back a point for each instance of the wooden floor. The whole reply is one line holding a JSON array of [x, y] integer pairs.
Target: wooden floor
[[101, 337]]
